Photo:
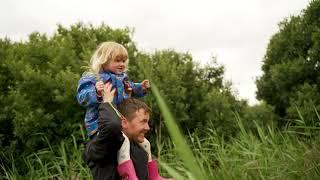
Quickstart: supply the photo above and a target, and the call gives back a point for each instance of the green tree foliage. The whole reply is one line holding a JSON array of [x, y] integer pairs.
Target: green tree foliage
[[291, 64], [305, 105], [196, 95], [261, 114], [6, 81]]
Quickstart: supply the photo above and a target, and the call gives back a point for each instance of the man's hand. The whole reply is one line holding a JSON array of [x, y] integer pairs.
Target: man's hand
[[108, 94], [145, 84], [146, 146]]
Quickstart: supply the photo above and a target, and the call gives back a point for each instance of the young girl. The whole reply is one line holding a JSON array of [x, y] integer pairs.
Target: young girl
[[108, 64]]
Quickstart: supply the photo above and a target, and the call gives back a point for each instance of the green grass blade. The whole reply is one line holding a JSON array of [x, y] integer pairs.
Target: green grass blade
[[181, 146], [175, 175]]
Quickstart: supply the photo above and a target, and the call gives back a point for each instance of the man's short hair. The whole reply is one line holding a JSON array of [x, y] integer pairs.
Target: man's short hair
[[129, 106]]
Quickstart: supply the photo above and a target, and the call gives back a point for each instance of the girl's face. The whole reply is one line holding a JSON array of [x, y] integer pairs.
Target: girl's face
[[117, 65]]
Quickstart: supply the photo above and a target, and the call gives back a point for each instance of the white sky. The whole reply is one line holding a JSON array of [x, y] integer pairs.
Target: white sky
[[236, 32]]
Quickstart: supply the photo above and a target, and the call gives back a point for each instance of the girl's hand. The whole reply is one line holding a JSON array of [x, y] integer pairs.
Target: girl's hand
[[145, 84], [99, 88]]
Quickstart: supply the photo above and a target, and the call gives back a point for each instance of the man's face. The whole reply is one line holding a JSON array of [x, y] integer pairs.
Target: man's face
[[137, 127]]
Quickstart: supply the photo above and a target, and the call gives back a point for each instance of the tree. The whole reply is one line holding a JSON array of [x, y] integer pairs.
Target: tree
[[196, 95], [291, 60], [6, 82], [261, 114]]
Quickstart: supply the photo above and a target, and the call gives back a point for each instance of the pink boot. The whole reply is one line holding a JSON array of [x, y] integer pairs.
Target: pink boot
[[126, 170], [153, 171]]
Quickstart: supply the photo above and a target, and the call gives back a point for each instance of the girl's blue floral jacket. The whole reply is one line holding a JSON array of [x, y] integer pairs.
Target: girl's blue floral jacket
[[87, 96]]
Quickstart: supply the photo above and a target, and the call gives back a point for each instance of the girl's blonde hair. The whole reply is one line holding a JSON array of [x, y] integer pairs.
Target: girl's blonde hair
[[105, 53]]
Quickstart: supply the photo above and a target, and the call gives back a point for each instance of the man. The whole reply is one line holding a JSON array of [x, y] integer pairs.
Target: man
[[111, 145]]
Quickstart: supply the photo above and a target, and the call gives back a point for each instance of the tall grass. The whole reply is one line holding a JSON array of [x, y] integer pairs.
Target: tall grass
[[270, 154], [266, 154], [65, 162]]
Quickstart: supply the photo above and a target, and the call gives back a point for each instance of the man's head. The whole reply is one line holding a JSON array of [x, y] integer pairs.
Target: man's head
[[135, 123]]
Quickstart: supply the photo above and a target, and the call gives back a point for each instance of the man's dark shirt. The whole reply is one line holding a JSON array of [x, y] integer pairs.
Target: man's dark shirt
[[101, 152]]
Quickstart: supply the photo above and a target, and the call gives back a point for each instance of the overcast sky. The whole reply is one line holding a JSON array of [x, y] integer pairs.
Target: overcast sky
[[236, 32]]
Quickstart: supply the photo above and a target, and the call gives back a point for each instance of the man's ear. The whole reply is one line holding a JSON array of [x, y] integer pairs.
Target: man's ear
[[124, 122]]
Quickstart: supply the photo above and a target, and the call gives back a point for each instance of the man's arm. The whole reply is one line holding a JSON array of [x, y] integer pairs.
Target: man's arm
[[109, 138]]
